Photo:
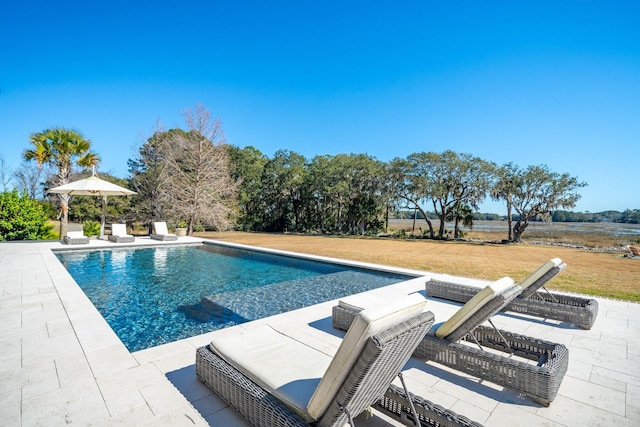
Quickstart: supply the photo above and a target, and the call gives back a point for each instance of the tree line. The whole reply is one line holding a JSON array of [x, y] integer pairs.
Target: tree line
[[192, 177], [356, 193], [628, 216]]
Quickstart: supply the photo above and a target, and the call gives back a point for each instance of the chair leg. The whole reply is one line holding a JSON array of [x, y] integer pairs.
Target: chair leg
[[504, 340], [413, 408], [349, 417], [550, 294], [501, 336], [470, 334]]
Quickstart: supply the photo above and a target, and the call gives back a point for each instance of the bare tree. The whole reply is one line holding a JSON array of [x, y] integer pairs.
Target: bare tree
[[149, 177], [30, 178], [5, 174], [199, 187]]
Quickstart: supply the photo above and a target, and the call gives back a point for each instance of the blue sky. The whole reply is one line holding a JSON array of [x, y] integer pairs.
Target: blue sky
[[555, 83]]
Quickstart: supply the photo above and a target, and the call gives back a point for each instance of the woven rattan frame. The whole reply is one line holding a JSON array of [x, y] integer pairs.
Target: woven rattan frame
[[541, 383], [542, 280], [581, 312], [379, 363], [75, 240], [395, 403]]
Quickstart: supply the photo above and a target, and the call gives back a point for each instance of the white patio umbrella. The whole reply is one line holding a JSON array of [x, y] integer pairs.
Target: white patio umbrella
[[93, 186]]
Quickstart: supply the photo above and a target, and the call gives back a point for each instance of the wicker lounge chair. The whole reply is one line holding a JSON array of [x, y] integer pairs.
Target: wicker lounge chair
[[75, 238], [634, 250], [246, 370], [162, 233], [119, 234], [443, 345], [532, 301]]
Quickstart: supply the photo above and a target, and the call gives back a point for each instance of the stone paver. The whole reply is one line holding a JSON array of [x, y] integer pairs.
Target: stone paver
[[61, 363]]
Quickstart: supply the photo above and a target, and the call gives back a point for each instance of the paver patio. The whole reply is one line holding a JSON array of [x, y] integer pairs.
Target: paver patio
[[62, 364]]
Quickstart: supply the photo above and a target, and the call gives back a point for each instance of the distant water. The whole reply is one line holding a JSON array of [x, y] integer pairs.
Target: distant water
[[151, 296], [610, 228]]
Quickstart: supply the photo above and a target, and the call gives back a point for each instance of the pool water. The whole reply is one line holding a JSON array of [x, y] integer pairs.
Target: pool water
[[151, 296]]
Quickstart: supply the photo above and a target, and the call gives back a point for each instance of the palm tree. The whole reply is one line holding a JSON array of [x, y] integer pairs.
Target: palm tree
[[461, 213], [61, 148]]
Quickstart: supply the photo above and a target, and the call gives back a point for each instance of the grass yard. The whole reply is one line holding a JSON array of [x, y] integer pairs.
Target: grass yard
[[602, 274]]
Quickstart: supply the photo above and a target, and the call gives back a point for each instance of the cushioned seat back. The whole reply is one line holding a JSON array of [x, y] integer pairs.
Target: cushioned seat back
[[367, 323], [75, 234], [475, 304], [118, 229], [542, 275], [160, 227]]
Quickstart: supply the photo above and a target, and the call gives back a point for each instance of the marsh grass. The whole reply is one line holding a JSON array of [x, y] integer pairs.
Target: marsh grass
[[611, 236]]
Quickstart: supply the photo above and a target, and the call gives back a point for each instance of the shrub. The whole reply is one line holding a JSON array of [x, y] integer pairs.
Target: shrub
[[400, 234], [91, 228], [22, 218]]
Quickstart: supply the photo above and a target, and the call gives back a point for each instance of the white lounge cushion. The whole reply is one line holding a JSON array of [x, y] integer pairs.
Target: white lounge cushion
[[541, 271], [160, 227], [119, 230], [473, 305], [367, 323], [460, 280], [311, 378], [359, 302], [286, 368], [75, 234]]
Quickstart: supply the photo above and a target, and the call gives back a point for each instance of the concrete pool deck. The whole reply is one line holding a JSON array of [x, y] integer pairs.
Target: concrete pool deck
[[62, 364]]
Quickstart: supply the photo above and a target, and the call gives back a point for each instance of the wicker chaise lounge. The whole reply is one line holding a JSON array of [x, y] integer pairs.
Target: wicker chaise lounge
[[119, 234], [532, 301], [247, 370], [160, 232], [443, 345]]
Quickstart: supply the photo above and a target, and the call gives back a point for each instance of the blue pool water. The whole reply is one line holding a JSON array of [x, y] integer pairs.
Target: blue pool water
[[151, 296]]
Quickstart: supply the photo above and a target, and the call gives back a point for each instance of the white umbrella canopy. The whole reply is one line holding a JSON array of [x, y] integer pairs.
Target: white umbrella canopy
[[93, 186]]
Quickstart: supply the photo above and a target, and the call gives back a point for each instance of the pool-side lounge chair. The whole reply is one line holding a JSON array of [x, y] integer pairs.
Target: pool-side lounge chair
[[441, 345], [75, 238], [119, 234], [534, 300], [246, 370], [160, 232]]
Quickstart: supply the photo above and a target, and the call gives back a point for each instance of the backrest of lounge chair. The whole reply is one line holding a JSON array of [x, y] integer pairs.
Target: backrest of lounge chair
[[382, 358], [541, 276], [119, 229], [367, 323], [478, 309], [160, 227]]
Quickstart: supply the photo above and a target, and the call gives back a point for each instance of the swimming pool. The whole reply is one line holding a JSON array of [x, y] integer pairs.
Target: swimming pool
[[151, 296]]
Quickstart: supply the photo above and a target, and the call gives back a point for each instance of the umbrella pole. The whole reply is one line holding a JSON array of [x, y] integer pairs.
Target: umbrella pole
[[104, 213]]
